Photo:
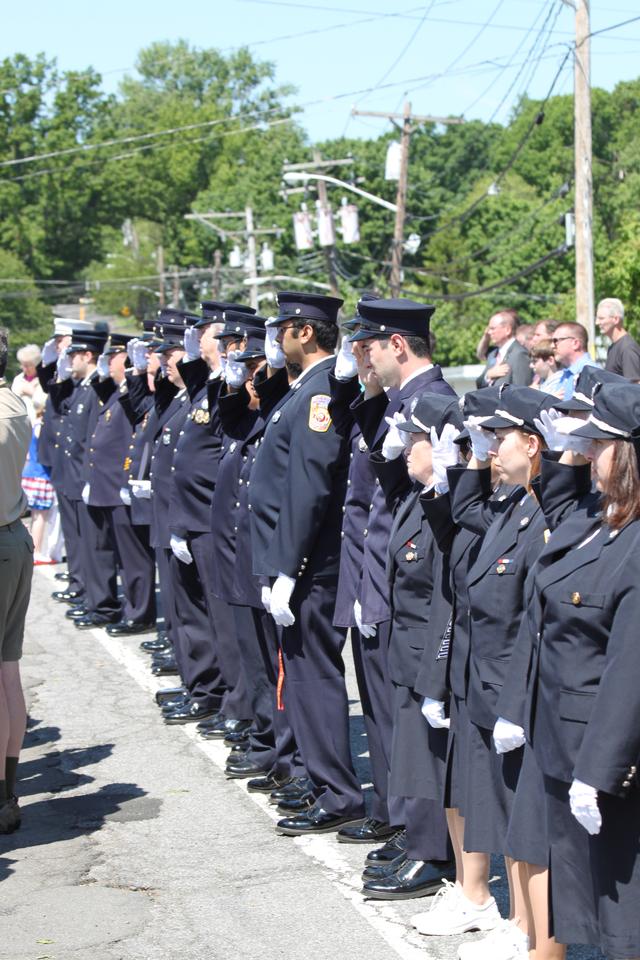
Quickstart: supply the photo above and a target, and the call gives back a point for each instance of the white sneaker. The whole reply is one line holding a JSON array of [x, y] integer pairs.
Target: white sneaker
[[505, 942], [453, 913]]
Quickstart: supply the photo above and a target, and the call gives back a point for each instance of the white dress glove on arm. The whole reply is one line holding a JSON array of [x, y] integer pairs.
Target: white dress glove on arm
[[433, 712], [141, 489], [483, 442], [367, 630], [346, 363], [395, 440], [507, 736], [180, 549], [103, 367], [265, 597], [49, 352], [583, 801], [236, 373], [86, 490], [125, 496], [280, 596], [192, 343], [63, 366], [273, 351], [445, 454]]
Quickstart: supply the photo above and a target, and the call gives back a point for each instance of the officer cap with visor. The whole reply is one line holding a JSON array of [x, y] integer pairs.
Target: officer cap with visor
[[172, 331], [615, 414], [351, 325], [82, 339], [518, 407], [383, 318], [432, 410], [305, 306], [213, 311], [238, 324], [589, 380], [253, 348], [116, 343]]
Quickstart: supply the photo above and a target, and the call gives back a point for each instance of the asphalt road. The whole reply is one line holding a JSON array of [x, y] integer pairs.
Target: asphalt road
[[134, 845]]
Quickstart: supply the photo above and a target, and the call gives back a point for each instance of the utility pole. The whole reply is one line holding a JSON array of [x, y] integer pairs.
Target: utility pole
[[329, 252], [406, 130], [160, 265], [215, 277], [585, 297], [252, 263], [176, 287]]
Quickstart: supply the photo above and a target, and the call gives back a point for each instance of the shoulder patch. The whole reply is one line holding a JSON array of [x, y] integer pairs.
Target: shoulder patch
[[319, 419]]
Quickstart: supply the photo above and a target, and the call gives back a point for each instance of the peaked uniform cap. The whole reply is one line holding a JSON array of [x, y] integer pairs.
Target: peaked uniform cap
[[382, 318], [305, 306], [519, 407], [615, 414], [432, 410], [83, 339], [213, 311], [116, 343]]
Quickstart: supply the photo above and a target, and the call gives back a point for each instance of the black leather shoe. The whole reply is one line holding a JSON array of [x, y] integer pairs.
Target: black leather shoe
[[415, 878], [62, 576], [291, 807], [239, 750], [221, 730], [369, 831], [313, 821], [293, 790], [189, 714], [74, 613], [128, 628], [384, 869], [235, 737], [266, 784], [169, 668], [169, 693], [211, 722], [184, 700], [385, 854], [67, 596], [91, 621], [243, 770], [155, 646]]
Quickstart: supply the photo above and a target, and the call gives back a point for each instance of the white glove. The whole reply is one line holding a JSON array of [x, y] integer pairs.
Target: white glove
[[395, 440], [138, 353], [346, 363], [85, 493], [103, 367], [192, 343], [583, 801], [483, 442], [162, 360], [272, 349], [141, 489], [444, 454], [507, 736], [433, 712], [235, 373], [49, 352], [367, 630], [565, 427], [63, 366], [265, 598], [125, 496], [280, 596], [180, 549]]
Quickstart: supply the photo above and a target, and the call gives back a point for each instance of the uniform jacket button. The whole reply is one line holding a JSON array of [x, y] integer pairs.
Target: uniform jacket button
[[576, 599], [366, 532]]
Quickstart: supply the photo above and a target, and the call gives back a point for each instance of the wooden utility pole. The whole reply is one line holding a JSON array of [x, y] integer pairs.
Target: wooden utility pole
[[215, 275], [406, 130], [585, 297], [329, 252], [252, 261], [160, 265]]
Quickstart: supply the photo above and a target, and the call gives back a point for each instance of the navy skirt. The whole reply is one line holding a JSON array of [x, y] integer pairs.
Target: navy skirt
[[527, 837], [491, 787], [595, 881], [418, 752], [455, 787]]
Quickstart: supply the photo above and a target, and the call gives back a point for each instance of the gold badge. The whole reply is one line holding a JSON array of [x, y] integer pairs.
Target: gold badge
[[410, 555], [500, 568], [576, 599], [127, 464], [108, 415], [319, 419]]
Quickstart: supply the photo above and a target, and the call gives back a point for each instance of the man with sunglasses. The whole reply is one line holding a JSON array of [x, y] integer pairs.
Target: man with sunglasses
[[570, 342]]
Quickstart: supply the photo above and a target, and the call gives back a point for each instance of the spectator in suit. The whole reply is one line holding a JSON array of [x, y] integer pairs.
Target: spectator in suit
[[623, 356], [507, 361]]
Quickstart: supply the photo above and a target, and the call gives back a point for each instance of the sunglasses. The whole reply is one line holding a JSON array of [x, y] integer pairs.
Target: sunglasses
[[555, 340]]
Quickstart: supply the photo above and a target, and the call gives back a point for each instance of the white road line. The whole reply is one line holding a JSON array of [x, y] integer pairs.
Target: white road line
[[323, 850]]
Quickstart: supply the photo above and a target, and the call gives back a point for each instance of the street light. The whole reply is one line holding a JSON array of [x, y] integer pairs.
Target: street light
[[294, 177]]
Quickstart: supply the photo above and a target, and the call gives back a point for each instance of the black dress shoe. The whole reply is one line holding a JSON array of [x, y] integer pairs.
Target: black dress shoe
[[239, 750], [169, 693], [313, 821], [74, 613], [91, 621], [369, 831], [293, 790], [62, 576], [220, 731], [128, 628], [155, 646], [290, 807], [385, 854], [415, 878], [234, 737], [176, 704], [169, 668], [210, 723], [189, 714], [244, 770], [384, 869], [67, 596], [265, 784]]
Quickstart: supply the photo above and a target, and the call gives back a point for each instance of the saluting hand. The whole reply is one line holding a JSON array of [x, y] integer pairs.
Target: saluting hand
[[346, 361]]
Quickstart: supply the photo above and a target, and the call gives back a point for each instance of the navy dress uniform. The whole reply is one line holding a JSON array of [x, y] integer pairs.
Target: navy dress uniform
[[582, 713], [297, 491], [513, 533]]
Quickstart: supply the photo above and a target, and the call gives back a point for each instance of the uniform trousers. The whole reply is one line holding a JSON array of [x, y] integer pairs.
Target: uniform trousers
[[70, 522], [99, 563], [418, 768], [374, 687], [271, 739], [137, 565], [235, 704], [196, 658], [315, 696], [166, 593]]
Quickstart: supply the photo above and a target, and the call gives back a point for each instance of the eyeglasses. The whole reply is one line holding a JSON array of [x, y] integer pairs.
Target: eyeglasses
[[555, 340]]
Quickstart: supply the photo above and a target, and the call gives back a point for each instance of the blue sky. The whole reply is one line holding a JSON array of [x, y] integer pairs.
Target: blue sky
[[470, 57]]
